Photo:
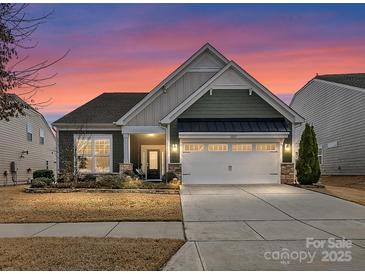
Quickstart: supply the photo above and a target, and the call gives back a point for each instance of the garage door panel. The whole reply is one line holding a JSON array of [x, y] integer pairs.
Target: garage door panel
[[230, 167]]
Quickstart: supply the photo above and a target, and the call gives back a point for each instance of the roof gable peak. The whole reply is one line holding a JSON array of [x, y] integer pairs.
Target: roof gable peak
[[160, 87]]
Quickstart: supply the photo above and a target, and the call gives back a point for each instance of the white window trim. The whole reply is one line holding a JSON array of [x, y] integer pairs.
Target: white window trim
[[93, 137]]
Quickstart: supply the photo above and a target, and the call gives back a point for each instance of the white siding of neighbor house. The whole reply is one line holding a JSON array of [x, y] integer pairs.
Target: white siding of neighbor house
[[182, 87], [338, 115], [13, 140]]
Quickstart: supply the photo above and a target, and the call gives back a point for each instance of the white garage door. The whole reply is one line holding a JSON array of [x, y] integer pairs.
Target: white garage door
[[228, 163]]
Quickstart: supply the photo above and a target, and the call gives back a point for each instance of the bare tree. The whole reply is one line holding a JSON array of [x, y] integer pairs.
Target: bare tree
[[16, 30], [74, 157]]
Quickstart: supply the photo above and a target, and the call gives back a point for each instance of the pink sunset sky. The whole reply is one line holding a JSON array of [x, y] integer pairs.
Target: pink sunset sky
[[132, 47]]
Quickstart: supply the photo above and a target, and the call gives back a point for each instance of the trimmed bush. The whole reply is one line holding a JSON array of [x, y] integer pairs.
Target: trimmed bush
[[43, 173], [108, 181], [168, 177], [307, 166], [130, 173], [87, 178], [40, 182]]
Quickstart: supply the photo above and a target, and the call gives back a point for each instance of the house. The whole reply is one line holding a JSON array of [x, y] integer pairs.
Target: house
[[209, 121], [27, 143], [335, 105]]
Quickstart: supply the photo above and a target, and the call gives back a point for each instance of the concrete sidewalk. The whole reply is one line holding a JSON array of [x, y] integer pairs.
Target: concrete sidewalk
[[155, 230]]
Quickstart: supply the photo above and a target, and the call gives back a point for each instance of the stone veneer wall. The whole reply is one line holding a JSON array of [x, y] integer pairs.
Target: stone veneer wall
[[125, 167], [175, 168], [287, 175]]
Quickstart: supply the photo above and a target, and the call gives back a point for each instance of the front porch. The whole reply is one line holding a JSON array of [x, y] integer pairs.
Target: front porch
[[145, 151]]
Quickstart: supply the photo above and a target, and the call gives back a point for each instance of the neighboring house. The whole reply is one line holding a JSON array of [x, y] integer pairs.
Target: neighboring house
[[27, 143], [335, 105], [209, 121]]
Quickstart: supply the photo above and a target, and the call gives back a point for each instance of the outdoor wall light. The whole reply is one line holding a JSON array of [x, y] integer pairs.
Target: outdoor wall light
[[150, 134], [174, 147], [287, 147]]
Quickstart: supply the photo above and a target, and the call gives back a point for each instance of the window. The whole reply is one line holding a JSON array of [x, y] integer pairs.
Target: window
[[41, 136], [29, 132], [102, 155], [193, 147], [84, 155], [320, 155], [217, 147], [93, 154], [241, 147], [265, 147]]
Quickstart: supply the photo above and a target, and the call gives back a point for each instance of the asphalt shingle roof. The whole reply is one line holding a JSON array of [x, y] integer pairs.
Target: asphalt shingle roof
[[106, 108], [351, 79], [232, 125]]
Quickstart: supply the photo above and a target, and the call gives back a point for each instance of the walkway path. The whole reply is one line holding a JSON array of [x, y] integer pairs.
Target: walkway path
[[155, 230]]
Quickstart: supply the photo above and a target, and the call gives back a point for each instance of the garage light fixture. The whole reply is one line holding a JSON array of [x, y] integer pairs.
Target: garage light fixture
[[287, 147], [174, 147]]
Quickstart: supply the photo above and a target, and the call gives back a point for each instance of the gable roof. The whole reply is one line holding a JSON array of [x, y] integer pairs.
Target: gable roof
[[106, 108], [159, 88], [261, 90], [350, 79]]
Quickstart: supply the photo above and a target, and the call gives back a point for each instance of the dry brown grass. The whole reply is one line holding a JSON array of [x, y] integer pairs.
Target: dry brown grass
[[351, 188], [20, 207], [85, 253]]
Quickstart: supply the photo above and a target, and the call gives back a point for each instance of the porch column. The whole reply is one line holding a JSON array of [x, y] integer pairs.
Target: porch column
[[126, 148]]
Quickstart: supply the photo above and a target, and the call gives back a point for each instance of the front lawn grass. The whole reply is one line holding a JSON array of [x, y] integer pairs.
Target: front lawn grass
[[350, 188], [16, 206], [85, 253]]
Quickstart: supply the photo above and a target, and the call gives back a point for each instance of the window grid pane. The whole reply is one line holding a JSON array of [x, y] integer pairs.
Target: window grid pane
[[218, 147], [265, 147], [93, 154], [241, 147], [193, 147], [84, 147], [84, 163], [102, 164], [102, 147]]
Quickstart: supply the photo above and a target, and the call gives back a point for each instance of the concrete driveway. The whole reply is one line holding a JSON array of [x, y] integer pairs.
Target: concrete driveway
[[253, 227]]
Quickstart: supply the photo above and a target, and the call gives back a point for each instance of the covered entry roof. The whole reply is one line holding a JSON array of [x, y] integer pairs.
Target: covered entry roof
[[232, 125]]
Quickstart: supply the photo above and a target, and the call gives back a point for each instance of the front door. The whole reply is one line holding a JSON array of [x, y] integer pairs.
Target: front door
[[153, 164]]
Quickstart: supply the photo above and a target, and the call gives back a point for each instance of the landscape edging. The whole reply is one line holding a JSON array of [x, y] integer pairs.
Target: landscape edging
[[100, 190]]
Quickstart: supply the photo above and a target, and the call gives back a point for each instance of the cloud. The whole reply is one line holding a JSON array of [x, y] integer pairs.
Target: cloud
[[133, 47]]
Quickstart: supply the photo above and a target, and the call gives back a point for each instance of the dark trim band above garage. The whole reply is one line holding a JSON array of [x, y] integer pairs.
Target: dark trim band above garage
[[233, 125]]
